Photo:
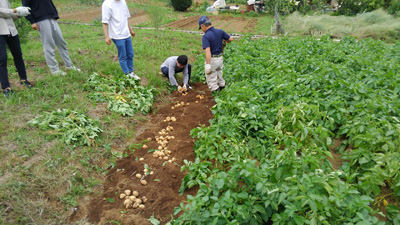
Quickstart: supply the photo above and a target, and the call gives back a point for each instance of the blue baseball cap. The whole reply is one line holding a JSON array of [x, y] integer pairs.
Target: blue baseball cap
[[202, 20]]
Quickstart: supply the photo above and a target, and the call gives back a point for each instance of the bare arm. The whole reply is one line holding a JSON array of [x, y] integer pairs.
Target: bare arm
[[208, 55], [229, 40], [130, 29], [105, 30]]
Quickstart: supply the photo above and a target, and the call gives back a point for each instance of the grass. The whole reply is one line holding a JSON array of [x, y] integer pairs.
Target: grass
[[377, 24], [43, 177]]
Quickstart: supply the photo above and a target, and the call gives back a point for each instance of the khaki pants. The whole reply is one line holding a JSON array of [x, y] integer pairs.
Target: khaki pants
[[215, 79]]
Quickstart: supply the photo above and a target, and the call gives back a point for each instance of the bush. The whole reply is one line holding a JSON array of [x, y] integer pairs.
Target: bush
[[352, 7], [394, 7], [181, 5]]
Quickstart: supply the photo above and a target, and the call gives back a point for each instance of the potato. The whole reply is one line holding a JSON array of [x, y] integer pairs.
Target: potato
[[127, 192], [149, 139], [138, 175], [144, 146], [169, 161], [135, 205], [197, 101], [144, 199], [160, 147], [168, 118], [182, 103], [145, 170], [127, 203], [141, 206], [165, 158], [151, 173], [173, 119], [122, 196], [132, 198], [172, 107], [188, 103], [172, 137], [173, 159], [141, 159], [135, 193], [139, 200], [143, 182]]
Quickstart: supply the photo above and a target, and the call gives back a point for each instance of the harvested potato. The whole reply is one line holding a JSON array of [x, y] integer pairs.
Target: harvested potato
[[141, 206], [139, 200], [144, 199], [173, 119], [160, 147], [188, 103], [135, 193], [169, 161], [127, 192], [151, 173], [122, 196], [132, 198], [143, 182], [141, 159], [138, 175], [135, 205], [149, 139], [196, 101], [128, 203], [172, 107], [144, 146]]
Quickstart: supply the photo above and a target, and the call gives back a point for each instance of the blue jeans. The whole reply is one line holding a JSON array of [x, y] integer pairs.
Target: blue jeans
[[125, 54], [15, 49]]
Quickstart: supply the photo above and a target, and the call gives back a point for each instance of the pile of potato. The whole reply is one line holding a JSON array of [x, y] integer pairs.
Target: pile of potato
[[146, 172], [133, 200]]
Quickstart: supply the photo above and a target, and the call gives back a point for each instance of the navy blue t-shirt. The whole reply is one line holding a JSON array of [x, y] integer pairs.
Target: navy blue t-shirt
[[213, 39]]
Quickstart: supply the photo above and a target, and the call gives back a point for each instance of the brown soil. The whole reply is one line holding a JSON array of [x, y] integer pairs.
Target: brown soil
[[162, 190], [227, 23]]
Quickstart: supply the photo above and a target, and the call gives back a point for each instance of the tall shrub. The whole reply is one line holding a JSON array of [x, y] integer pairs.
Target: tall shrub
[[181, 5]]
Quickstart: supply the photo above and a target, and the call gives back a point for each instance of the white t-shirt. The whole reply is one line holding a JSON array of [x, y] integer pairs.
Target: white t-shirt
[[116, 14]]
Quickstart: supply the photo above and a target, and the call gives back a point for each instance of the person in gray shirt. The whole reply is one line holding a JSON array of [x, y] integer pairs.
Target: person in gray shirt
[[177, 64], [9, 37]]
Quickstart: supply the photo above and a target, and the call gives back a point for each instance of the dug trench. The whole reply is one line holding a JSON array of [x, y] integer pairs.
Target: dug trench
[[162, 188]]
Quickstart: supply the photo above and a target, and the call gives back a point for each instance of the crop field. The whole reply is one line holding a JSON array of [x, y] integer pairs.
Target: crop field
[[307, 130]]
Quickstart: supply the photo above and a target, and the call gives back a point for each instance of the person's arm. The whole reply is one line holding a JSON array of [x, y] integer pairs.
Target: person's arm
[[171, 74], [130, 29], [229, 40], [185, 76], [105, 30], [208, 55], [7, 13]]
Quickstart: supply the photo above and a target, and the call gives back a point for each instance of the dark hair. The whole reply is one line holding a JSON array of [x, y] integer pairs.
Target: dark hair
[[182, 59]]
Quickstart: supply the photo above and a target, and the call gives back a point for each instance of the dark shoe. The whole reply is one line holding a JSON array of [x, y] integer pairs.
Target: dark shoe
[[221, 88], [27, 84], [189, 87], [8, 93]]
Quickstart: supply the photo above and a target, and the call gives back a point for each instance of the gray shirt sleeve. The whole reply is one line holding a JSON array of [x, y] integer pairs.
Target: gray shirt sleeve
[[185, 74]]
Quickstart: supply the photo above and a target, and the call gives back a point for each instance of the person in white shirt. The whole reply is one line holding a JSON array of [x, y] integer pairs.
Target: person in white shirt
[[9, 37], [115, 14]]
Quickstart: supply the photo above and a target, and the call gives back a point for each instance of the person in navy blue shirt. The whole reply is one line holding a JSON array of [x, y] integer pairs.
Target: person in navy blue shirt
[[213, 42]]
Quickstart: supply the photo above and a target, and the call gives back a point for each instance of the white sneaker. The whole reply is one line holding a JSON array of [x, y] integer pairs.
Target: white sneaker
[[133, 75], [59, 72], [74, 68]]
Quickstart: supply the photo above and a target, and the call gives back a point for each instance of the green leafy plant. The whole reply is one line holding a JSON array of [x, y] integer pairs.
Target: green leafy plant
[[72, 127], [181, 5]]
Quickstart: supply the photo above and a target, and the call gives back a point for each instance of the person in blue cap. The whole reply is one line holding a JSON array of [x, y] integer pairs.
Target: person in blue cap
[[213, 42]]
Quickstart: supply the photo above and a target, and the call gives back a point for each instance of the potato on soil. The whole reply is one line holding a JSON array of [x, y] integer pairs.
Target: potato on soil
[[135, 205], [141, 159], [132, 198], [173, 119], [127, 192], [144, 146], [144, 199], [138, 175], [122, 196], [143, 182], [149, 139], [141, 206]]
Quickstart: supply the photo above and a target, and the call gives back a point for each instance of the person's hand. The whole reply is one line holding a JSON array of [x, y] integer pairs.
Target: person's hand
[[35, 26], [108, 40], [133, 33], [23, 11], [184, 87], [208, 69]]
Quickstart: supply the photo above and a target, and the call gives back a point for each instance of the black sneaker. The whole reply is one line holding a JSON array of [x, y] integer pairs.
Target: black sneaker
[[8, 93], [221, 88], [27, 84]]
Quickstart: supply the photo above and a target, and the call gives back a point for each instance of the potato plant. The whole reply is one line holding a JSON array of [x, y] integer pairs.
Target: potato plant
[[124, 95], [72, 127], [286, 102]]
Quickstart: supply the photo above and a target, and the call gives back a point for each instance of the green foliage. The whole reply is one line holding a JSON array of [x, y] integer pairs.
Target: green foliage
[[124, 95], [72, 127], [394, 7], [285, 102], [181, 5], [352, 7]]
